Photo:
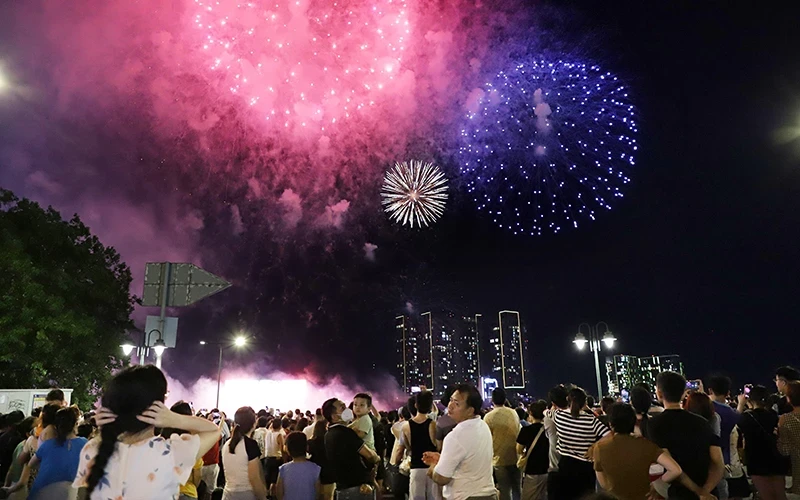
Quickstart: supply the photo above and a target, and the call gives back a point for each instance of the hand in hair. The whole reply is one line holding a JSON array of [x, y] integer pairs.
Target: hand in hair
[[159, 415], [104, 416]]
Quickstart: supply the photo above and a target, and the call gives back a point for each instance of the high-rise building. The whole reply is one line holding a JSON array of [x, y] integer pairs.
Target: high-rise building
[[508, 350], [468, 358], [439, 328], [620, 372], [624, 371], [651, 366], [413, 347]]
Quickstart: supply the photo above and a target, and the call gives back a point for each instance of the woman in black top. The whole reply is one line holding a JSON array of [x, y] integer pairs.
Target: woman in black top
[[316, 448], [534, 482], [421, 436], [764, 464]]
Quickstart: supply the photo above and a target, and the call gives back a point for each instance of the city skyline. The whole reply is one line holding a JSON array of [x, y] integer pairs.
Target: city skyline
[[624, 371], [438, 348]]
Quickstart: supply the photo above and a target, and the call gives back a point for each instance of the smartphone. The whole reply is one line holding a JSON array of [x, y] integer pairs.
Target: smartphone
[[693, 385], [747, 388]]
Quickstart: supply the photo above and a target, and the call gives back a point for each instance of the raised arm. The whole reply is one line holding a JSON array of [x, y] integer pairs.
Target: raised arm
[[160, 416]]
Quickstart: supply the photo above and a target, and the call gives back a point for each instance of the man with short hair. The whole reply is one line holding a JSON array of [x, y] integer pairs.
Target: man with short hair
[[622, 462], [347, 454], [558, 401], [464, 466], [719, 388], [690, 440], [56, 396], [605, 405], [783, 376], [504, 424]]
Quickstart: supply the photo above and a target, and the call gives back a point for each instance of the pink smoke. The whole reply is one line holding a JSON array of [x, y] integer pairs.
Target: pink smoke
[[279, 390], [154, 121]]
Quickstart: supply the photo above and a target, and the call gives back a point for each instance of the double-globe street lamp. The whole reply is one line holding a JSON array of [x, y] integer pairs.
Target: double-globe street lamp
[[142, 350], [238, 342], [594, 340]]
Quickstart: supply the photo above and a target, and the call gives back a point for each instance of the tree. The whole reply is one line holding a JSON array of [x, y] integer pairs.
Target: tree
[[65, 303]]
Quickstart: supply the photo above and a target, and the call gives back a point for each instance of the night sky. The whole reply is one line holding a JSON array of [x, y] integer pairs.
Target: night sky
[[112, 113]]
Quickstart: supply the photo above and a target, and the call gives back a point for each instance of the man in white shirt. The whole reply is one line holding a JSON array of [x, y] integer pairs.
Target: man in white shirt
[[464, 466]]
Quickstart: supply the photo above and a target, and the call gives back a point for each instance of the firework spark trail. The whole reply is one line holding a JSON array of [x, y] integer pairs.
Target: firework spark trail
[[549, 144], [304, 63], [414, 193]]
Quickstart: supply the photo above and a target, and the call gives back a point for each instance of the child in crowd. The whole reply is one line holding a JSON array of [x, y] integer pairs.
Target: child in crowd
[[362, 425], [299, 479], [362, 403]]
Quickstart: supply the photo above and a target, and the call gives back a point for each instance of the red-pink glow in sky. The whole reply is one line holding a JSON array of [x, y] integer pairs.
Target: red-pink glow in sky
[[279, 391], [302, 62]]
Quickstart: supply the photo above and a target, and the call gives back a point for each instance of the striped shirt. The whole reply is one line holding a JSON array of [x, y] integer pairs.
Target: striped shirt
[[577, 434]]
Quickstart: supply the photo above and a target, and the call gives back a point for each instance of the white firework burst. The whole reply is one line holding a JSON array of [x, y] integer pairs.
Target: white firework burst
[[414, 193]]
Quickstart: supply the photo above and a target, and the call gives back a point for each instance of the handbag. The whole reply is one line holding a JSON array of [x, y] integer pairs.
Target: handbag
[[522, 461], [405, 465]]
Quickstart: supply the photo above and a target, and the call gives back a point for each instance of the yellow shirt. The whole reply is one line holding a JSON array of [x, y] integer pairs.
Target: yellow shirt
[[504, 424], [189, 489]]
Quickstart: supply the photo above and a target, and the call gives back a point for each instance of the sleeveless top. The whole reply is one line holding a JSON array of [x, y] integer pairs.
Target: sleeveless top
[[420, 442], [271, 444]]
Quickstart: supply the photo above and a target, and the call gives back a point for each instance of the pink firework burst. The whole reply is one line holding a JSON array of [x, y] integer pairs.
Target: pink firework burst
[[306, 63]]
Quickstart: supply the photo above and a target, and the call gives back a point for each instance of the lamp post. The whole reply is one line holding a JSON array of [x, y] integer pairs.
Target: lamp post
[[239, 341], [142, 350], [594, 346], [158, 347]]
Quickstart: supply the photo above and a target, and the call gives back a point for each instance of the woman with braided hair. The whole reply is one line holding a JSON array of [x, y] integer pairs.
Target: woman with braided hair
[[128, 460]]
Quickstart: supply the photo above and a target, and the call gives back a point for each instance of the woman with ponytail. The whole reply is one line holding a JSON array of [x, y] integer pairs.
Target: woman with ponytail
[[57, 458], [128, 460], [244, 479], [577, 431]]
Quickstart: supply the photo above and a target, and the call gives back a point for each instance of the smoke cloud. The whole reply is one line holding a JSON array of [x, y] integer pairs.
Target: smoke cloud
[[178, 137], [369, 251], [279, 390]]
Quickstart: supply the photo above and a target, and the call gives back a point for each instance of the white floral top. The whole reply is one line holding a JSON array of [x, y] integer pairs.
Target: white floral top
[[149, 470]]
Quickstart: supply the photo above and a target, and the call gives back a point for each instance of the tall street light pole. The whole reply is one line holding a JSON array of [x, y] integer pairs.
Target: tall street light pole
[[237, 342], [594, 345]]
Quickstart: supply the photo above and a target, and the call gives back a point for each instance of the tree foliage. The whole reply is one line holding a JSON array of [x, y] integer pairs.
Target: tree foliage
[[65, 303]]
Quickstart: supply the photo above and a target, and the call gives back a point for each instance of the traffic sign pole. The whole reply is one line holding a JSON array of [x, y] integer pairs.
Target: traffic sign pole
[[165, 275], [171, 284]]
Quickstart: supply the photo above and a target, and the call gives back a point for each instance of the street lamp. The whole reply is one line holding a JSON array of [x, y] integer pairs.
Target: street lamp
[[580, 340], [158, 347], [239, 341], [127, 348], [594, 340], [142, 349], [609, 339]]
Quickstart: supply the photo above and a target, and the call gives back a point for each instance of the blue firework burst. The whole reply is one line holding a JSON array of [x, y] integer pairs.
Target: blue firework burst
[[548, 145]]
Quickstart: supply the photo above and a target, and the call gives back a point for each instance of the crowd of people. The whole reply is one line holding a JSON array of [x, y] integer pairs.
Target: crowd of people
[[681, 442]]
